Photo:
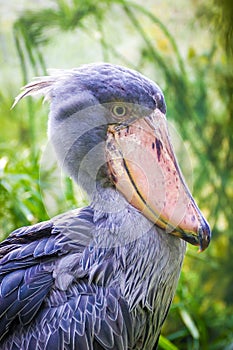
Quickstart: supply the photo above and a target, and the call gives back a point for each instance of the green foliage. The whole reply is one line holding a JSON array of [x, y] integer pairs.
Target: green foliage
[[19, 190], [198, 87]]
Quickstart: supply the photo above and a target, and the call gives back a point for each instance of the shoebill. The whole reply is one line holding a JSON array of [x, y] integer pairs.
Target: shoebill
[[103, 276]]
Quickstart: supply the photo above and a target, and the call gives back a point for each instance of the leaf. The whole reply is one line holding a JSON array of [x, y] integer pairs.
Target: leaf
[[165, 344], [189, 323]]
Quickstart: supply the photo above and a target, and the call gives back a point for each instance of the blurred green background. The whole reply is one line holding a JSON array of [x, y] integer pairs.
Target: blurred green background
[[187, 48]]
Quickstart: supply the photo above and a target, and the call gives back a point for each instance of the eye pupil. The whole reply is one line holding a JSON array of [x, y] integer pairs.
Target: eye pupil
[[120, 110]]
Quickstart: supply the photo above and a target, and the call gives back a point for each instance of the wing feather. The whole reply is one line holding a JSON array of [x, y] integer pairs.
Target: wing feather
[[55, 289]]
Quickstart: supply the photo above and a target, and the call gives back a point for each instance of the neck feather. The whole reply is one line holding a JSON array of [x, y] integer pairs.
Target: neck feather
[[150, 258]]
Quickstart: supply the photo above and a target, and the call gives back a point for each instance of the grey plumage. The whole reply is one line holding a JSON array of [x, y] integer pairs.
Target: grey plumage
[[67, 292], [101, 277]]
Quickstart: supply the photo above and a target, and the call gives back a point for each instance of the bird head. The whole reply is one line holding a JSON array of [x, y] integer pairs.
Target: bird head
[[108, 127]]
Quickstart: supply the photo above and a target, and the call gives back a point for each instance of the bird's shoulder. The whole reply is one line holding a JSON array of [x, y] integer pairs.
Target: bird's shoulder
[[55, 237]]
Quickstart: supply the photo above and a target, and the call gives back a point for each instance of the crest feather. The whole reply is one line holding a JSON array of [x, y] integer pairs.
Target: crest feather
[[42, 85]]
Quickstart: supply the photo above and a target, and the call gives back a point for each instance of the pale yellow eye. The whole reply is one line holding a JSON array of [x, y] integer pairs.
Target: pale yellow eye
[[119, 110]]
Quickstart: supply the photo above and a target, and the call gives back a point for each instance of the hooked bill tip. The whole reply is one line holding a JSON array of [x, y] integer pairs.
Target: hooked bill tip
[[204, 235]]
